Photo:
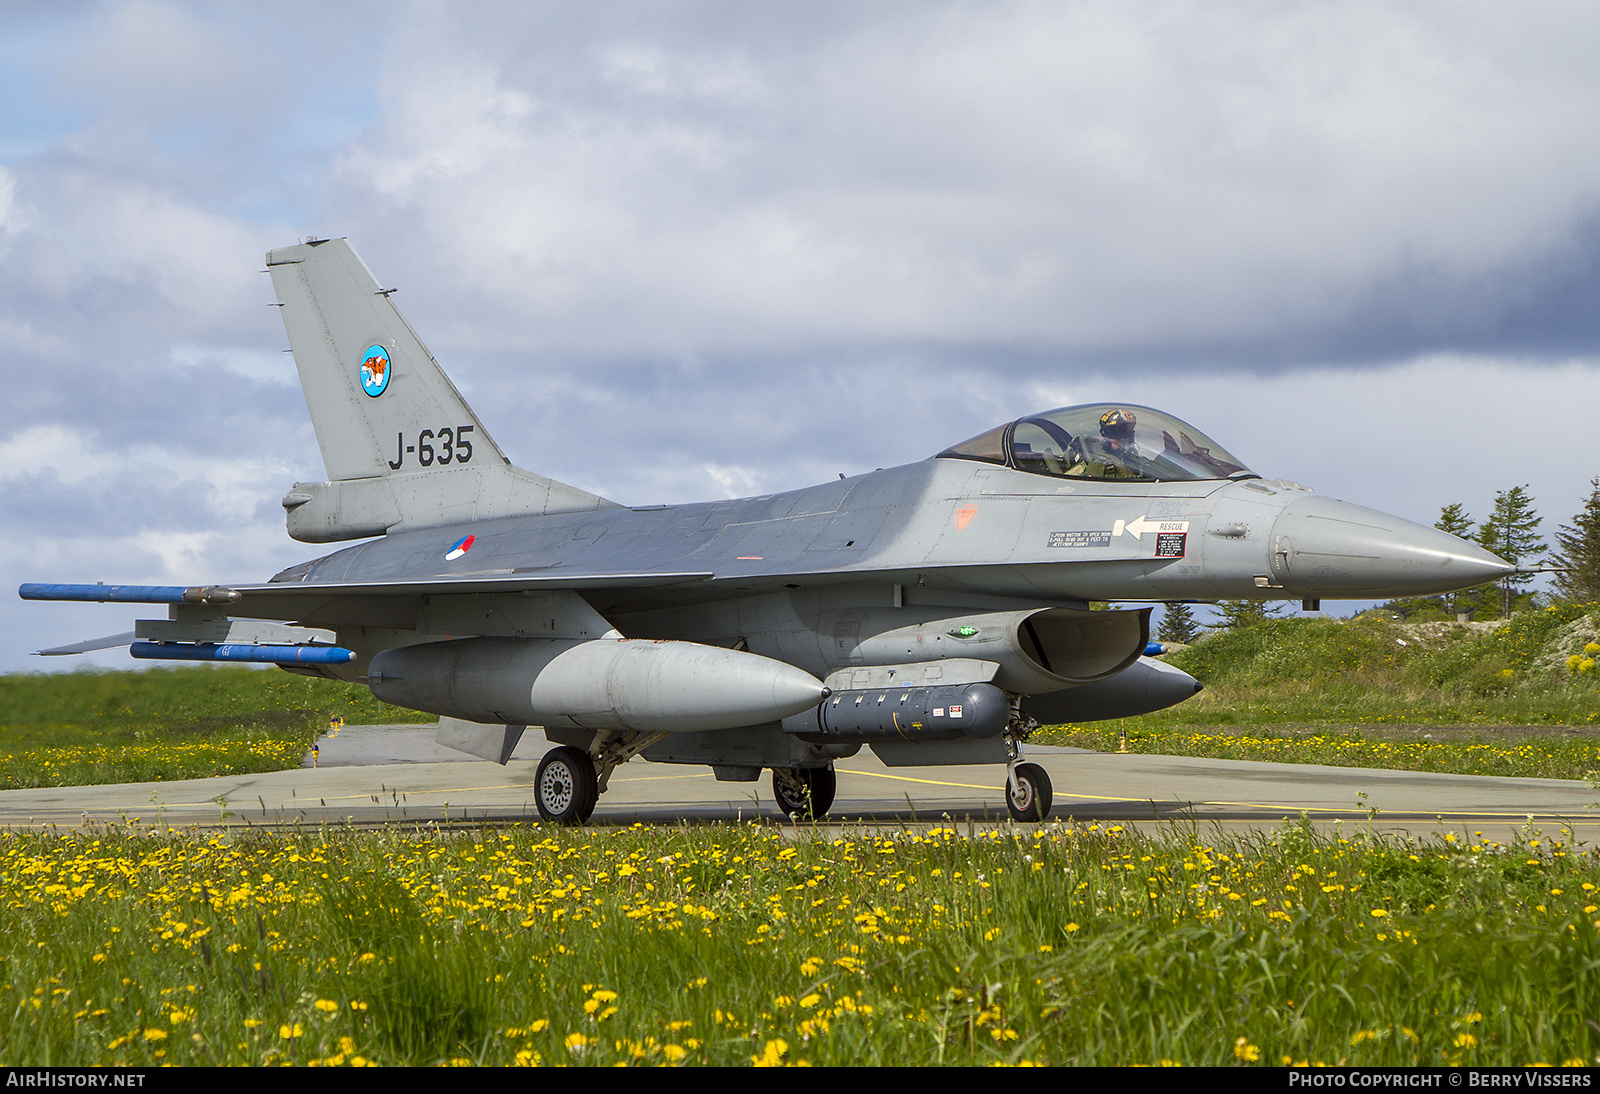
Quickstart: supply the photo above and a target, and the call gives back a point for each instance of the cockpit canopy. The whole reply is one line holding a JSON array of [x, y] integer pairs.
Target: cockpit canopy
[[1102, 441]]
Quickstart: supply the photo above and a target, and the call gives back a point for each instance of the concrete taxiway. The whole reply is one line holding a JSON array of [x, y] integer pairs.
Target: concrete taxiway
[[396, 775]]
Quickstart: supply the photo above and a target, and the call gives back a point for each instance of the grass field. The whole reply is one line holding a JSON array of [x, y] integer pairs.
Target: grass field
[[103, 727], [1529, 670], [745, 945], [1535, 752], [1515, 699]]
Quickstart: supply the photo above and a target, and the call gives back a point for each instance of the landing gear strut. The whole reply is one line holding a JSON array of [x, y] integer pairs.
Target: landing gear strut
[[804, 792]]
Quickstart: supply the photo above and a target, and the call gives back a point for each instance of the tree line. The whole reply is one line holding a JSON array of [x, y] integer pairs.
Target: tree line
[[1511, 530]]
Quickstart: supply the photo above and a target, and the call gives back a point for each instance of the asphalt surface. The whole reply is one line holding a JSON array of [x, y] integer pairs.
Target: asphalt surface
[[397, 775]]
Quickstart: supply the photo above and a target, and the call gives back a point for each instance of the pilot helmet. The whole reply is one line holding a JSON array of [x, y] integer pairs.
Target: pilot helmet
[[1118, 425]]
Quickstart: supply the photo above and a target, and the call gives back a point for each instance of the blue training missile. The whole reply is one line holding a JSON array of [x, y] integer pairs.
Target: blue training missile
[[241, 651]]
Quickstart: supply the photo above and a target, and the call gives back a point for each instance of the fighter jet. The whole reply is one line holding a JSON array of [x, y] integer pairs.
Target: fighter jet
[[936, 612]]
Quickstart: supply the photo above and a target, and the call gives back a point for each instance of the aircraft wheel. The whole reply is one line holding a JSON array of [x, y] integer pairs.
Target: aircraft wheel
[[1029, 800], [565, 788], [806, 792]]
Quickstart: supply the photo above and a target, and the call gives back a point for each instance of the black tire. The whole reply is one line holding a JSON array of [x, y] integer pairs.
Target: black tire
[[1029, 800], [565, 788], [818, 785]]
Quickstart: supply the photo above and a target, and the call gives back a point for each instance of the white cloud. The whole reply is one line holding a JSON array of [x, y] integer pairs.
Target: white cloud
[[648, 69], [736, 482], [58, 448], [12, 217]]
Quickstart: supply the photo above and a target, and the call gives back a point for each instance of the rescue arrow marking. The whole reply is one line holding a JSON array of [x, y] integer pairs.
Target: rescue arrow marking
[[1142, 524]]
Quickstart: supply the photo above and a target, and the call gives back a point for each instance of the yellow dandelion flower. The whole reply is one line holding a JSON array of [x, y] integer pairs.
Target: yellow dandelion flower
[[772, 1053]]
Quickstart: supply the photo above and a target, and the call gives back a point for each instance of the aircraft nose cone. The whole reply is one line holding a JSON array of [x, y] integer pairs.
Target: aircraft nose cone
[[1325, 547]]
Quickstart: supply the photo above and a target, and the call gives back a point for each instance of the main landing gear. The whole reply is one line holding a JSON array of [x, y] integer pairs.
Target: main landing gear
[[566, 788], [570, 780], [804, 792]]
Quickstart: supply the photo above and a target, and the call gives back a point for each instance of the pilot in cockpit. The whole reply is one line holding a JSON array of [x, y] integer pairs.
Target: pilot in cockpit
[[1114, 455]]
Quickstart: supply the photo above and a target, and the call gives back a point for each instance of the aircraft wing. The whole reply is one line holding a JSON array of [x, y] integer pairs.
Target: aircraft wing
[[357, 602], [214, 622]]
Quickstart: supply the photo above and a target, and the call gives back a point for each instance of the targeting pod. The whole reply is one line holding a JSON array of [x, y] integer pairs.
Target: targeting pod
[[905, 714]]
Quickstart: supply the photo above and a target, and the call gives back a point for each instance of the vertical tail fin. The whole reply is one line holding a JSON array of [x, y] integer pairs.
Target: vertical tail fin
[[401, 446]]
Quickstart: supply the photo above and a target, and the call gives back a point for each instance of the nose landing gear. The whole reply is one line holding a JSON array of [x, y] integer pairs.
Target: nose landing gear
[[1028, 793]]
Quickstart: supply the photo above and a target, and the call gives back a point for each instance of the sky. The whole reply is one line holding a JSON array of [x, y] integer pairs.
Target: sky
[[673, 252]]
